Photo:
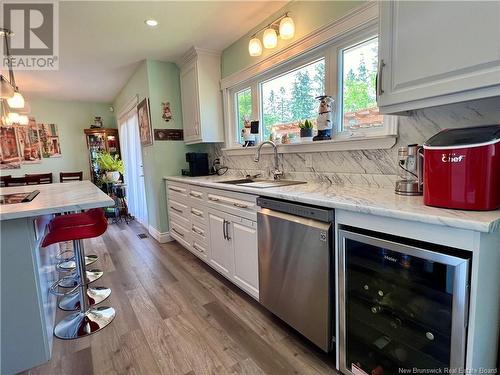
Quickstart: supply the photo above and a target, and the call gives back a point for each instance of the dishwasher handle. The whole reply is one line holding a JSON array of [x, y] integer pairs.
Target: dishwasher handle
[[296, 219]]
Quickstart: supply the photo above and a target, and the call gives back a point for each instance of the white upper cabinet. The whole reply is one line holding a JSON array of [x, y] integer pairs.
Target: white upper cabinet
[[201, 97], [437, 52]]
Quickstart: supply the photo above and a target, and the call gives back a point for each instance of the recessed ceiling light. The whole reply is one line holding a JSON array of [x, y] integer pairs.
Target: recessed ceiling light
[[151, 22]]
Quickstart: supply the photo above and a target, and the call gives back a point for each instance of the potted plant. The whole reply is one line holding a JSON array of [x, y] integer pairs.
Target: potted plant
[[306, 129], [111, 165]]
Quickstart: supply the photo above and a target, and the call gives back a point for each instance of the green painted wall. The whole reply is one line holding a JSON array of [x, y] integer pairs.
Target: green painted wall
[[71, 118], [307, 15], [160, 82]]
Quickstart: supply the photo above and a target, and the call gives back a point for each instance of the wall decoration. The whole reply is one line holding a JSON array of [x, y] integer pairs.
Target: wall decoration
[[9, 148], [169, 134], [97, 123], [145, 132], [49, 136], [30, 146], [166, 112]]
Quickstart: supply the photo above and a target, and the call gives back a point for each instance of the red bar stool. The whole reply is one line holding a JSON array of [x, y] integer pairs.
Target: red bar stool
[[88, 319]]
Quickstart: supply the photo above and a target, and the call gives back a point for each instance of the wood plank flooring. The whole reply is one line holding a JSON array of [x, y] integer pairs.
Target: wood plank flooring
[[175, 315]]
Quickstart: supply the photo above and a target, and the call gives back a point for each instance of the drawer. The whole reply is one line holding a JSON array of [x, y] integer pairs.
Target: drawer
[[198, 214], [178, 192], [180, 220], [179, 208], [181, 234], [199, 249], [197, 195], [238, 204], [200, 232]]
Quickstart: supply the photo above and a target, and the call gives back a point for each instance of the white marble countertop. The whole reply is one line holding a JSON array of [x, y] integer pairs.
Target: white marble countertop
[[370, 200], [54, 198]]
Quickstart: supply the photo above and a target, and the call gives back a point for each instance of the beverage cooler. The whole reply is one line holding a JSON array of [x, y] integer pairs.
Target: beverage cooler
[[402, 306]]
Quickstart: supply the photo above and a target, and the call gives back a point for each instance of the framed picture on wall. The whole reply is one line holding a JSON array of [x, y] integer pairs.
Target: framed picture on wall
[[144, 116]]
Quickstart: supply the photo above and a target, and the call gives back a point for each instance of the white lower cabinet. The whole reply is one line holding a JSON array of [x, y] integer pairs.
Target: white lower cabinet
[[220, 228], [221, 254], [233, 244], [246, 257]]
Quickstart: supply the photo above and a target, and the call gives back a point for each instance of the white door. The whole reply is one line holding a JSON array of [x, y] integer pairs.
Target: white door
[[431, 49], [246, 258], [221, 247], [134, 173]]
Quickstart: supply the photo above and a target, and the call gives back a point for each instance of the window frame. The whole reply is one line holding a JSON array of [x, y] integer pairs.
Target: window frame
[[331, 50]]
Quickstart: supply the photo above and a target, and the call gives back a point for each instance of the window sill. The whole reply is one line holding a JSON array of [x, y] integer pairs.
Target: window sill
[[339, 144]]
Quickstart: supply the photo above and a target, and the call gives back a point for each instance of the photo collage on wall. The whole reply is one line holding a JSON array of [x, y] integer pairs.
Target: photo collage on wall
[[28, 144]]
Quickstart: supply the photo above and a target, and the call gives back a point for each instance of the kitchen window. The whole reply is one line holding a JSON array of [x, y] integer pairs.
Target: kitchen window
[[358, 99], [290, 98], [281, 96], [243, 100]]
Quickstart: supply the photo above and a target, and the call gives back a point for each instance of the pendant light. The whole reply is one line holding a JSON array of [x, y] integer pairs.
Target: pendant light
[[287, 28], [282, 26], [270, 38], [255, 47], [16, 100], [11, 94]]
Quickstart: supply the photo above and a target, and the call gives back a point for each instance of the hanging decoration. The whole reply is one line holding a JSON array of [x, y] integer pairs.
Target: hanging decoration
[[14, 108]]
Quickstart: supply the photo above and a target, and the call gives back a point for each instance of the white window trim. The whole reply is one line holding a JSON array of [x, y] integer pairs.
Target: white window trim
[[326, 42]]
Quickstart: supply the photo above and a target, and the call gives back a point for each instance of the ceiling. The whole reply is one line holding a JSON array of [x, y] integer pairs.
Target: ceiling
[[102, 42]]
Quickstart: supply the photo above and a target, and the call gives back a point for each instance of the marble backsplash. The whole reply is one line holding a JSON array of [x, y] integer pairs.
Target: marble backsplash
[[368, 167]]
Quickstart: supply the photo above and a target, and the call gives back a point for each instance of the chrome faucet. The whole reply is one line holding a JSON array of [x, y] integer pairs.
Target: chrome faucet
[[276, 171]]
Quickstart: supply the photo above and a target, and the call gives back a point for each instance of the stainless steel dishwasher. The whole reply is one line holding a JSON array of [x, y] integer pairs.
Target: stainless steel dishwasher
[[296, 273]]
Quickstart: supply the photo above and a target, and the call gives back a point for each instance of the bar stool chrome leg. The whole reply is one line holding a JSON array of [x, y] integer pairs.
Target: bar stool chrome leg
[[87, 320], [72, 280], [95, 295]]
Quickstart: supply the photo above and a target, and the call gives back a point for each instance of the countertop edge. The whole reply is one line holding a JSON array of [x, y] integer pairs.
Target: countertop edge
[[472, 225]]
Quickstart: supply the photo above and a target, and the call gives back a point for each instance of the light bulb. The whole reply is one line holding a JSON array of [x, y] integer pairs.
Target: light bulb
[[255, 47], [16, 100], [287, 28], [13, 118], [23, 120], [151, 22], [270, 38]]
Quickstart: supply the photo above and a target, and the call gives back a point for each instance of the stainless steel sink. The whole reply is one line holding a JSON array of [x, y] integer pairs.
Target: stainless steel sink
[[262, 184]]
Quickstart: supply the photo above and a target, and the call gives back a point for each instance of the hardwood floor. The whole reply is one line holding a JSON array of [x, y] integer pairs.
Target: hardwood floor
[[175, 315]]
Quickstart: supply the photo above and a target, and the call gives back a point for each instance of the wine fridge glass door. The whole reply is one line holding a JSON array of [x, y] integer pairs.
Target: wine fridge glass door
[[401, 307]]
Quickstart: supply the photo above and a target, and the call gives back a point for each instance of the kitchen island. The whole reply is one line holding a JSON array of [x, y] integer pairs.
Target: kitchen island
[[27, 270]]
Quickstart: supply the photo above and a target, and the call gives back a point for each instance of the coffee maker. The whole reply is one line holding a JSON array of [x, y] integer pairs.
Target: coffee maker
[[198, 164], [410, 170]]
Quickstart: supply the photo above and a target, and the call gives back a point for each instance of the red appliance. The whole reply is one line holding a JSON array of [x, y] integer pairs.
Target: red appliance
[[461, 168]]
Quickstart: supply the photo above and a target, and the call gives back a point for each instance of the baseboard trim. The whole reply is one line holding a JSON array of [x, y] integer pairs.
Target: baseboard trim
[[161, 237]]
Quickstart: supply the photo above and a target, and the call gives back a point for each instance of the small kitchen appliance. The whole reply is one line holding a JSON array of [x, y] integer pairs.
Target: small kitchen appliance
[[198, 164], [462, 168], [410, 171]]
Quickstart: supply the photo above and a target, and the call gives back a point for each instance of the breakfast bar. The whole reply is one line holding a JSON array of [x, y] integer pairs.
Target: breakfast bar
[[27, 269]]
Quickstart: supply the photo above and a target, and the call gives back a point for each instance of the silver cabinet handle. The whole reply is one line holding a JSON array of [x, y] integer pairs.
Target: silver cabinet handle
[[196, 213], [198, 248], [213, 199], [227, 230], [240, 205], [195, 195], [197, 231], [176, 190], [176, 209], [176, 231], [379, 78]]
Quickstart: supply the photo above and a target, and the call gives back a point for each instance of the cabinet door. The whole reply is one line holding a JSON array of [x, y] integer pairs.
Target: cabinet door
[[190, 103], [246, 257], [221, 249], [438, 52]]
